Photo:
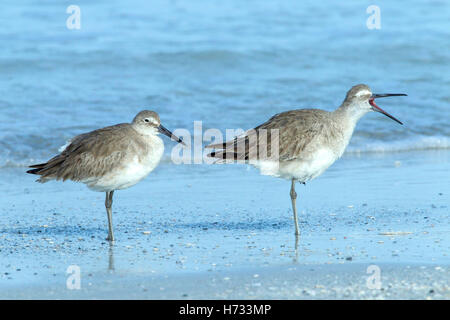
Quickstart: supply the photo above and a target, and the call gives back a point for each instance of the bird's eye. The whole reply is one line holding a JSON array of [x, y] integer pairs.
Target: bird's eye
[[146, 120]]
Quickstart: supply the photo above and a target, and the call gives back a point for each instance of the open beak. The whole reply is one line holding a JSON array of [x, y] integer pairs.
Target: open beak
[[167, 132], [378, 109]]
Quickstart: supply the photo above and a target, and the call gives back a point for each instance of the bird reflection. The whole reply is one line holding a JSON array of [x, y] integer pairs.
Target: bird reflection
[[111, 257], [297, 237]]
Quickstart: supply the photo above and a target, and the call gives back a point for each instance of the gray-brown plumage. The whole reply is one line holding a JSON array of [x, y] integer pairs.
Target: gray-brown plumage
[[299, 145], [299, 133], [110, 158], [94, 154]]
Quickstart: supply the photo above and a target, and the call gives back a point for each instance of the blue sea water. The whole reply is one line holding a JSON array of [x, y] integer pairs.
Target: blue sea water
[[230, 64]]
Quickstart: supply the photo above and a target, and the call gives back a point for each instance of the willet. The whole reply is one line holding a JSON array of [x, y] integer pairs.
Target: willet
[[110, 158], [309, 140]]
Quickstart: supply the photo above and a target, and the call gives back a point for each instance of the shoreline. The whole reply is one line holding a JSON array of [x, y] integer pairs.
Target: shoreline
[[183, 225]]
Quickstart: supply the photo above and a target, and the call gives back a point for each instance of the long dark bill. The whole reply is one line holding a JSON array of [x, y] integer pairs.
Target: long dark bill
[[384, 95], [167, 132]]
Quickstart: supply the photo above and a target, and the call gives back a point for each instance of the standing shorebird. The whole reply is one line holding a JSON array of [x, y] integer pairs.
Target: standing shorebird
[[308, 140], [111, 158]]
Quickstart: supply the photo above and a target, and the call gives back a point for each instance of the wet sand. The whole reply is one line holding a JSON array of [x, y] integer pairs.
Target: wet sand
[[202, 232]]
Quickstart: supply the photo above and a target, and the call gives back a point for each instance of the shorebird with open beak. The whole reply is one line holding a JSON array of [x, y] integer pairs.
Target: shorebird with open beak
[[111, 158], [308, 140]]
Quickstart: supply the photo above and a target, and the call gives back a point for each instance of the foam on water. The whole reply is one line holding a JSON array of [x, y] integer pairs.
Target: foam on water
[[416, 144]]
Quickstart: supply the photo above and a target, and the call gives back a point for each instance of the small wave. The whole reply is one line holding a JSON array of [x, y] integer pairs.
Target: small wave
[[8, 163], [415, 144]]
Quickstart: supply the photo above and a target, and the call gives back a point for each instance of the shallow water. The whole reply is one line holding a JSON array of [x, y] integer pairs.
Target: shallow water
[[220, 221], [230, 65]]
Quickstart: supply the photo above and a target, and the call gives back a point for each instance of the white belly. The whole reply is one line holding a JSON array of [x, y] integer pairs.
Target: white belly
[[130, 172], [302, 170]]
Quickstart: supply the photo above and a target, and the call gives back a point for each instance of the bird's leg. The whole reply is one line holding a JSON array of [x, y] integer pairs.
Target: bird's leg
[[108, 205], [293, 199]]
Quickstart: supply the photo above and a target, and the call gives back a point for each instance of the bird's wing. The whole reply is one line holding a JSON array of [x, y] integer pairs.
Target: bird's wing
[[89, 155], [296, 129]]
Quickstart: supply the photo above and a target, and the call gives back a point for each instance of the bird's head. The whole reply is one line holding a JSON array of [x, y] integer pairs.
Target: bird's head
[[148, 122], [360, 100]]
